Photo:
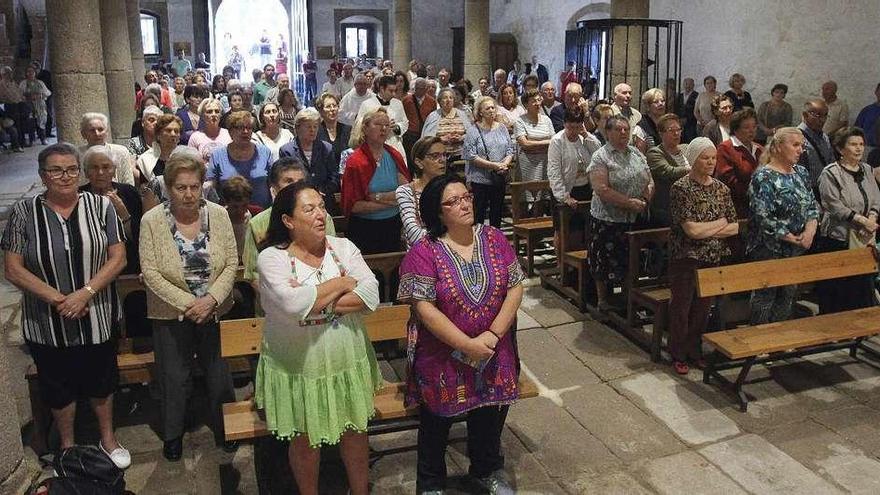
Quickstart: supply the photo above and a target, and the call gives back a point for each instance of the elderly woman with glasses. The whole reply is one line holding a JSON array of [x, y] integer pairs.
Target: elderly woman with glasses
[[668, 163], [316, 155], [372, 175], [63, 249], [242, 157], [464, 284]]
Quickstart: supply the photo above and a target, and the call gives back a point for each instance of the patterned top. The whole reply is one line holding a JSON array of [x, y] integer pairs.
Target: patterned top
[[408, 202], [691, 201], [628, 174], [193, 252], [452, 125], [494, 145], [65, 254], [470, 294], [539, 131], [780, 204]]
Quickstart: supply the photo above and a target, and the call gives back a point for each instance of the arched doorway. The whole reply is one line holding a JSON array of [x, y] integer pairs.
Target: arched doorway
[[259, 32]]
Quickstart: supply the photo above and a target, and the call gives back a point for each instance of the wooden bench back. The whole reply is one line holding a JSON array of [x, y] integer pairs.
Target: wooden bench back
[[517, 196], [243, 337], [785, 271], [648, 268], [340, 223], [387, 265]]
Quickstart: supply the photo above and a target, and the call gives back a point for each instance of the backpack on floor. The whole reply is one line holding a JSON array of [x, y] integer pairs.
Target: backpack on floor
[[84, 470]]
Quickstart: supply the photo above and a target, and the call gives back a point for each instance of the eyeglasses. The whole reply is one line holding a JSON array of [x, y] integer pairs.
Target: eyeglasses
[[818, 115], [244, 129], [674, 130], [457, 200], [57, 173], [441, 155]]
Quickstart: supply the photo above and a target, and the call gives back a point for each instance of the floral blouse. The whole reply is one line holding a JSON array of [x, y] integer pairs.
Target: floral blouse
[[780, 204], [193, 252], [691, 201]]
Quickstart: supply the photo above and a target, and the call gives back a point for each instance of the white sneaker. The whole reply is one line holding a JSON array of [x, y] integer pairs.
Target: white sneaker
[[120, 456]]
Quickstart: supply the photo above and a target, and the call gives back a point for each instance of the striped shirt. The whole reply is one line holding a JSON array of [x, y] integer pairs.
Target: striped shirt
[[65, 254]]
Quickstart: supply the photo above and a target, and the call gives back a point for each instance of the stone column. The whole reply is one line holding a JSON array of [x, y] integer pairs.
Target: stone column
[[628, 47], [135, 42], [75, 50], [402, 52], [16, 472], [117, 69], [476, 39]]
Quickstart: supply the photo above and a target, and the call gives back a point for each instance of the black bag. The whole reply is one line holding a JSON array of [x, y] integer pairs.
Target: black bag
[[85, 470]]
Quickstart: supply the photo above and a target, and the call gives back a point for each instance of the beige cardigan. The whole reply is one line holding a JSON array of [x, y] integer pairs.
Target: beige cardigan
[[167, 292]]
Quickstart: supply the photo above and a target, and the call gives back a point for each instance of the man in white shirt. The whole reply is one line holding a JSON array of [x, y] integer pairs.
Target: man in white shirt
[[387, 86], [442, 80], [838, 110], [330, 85], [95, 129], [352, 101], [346, 80]]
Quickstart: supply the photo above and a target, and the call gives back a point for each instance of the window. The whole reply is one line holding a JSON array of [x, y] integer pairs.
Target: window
[[359, 39], [150, 33]]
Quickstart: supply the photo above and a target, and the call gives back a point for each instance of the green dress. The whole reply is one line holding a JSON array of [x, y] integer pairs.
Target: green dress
[[317, 373]]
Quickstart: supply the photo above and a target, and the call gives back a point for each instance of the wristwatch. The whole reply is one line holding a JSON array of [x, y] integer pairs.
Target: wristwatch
[[90, 290], [377, 197]]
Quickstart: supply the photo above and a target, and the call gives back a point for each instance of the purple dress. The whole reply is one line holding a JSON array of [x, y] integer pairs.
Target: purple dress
[[470, 294]]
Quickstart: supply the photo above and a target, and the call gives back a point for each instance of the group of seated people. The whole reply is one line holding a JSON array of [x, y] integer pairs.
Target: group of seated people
[[198, 193]]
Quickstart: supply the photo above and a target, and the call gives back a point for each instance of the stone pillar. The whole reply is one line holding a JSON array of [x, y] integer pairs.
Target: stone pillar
[[76, 50], [135, 42], [476, 39], [16, 472], [117, 69], [402, 52], [628, 47]]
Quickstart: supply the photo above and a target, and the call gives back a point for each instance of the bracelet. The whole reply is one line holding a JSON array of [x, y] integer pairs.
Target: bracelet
[[90, 290], [493, 333]]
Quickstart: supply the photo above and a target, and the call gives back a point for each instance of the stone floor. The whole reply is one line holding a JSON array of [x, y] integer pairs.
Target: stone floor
[[607, 421]]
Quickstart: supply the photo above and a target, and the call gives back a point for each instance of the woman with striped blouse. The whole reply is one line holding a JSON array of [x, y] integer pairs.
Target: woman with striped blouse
[[63, 249], [429, 161]]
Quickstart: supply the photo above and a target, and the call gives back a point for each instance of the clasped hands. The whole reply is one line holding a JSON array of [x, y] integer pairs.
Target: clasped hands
[[200, 309], [72, 306], [482, 346]]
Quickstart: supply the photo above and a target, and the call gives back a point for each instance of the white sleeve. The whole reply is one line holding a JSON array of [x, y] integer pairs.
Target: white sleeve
[[367, 286], [273, 267], [554, 168]]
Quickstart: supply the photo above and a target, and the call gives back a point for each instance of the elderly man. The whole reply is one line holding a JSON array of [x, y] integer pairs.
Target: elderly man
[[548, 92], [572, 99], [817, 146], [387, 86], [150, 77], [352, 101], [838, 110], [417, 105], [623, 94], [499, 79], [267, 82], [282, 81], [482, 90], [442, 80], [514, 77], [95, 129]]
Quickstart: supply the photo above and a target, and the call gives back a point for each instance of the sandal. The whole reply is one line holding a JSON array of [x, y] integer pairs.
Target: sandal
[[680, 367]]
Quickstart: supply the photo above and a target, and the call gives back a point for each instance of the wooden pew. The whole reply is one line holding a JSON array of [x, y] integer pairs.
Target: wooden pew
[[532, 230], [570, 258], [746, 346], [646, 283], [387, 265], [240, 338]]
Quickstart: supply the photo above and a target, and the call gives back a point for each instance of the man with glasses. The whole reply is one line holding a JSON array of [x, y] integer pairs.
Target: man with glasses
[[817, 146]]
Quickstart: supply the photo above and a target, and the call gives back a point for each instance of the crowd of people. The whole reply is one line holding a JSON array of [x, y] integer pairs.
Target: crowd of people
[[226, 174]]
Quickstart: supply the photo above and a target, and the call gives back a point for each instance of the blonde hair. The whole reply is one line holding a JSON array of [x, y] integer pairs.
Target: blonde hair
[[781, 135], [357, 132], [203, 106], [478, 108], [650, 96]]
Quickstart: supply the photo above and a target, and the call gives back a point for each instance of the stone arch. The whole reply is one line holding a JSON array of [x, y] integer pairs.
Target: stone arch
[[377, 17], [601, 10]]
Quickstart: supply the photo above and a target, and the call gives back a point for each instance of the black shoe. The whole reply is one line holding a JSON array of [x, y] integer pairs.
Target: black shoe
[[173, 449], [230, 446]]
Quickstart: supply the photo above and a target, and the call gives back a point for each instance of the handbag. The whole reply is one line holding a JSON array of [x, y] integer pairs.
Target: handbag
[[85, 470]]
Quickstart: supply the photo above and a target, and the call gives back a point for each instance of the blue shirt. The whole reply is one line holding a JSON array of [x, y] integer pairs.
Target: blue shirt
[[256, 170], [867, 121], [384, 180]]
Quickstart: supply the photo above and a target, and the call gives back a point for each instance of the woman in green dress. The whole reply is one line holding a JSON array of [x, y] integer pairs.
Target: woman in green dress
[[317, 372]]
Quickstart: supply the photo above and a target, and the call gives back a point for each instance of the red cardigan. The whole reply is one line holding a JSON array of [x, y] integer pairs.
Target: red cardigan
[[734, 167], [359, 170]]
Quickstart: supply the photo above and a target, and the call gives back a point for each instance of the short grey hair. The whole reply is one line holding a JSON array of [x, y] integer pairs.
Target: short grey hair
[[155, 89], [306, 114], [61, 148], [232, 85], [547, 85], [445, 90], [499, 71], [94, 152], [152, 110], [88, 117], [203, 106], [420, 82]]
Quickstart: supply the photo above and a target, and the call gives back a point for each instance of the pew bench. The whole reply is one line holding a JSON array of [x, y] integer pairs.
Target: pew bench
[[530, 230], [646, 281], [747, 346], [242, 420]]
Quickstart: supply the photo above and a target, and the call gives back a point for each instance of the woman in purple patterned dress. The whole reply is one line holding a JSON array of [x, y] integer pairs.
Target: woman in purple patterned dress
[[464, 284]]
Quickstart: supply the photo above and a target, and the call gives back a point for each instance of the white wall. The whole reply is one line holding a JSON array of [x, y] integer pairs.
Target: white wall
[[801, 43]]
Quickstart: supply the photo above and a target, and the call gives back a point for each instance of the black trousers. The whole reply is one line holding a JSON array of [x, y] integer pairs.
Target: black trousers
[[375, 236], [842, 294], [484, 426], [489, 197]]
